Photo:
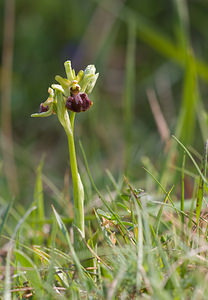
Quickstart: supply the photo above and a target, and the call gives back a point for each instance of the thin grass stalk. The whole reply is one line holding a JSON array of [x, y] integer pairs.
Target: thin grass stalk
[[6, 89], [159, 214], [38, 216], [151, 35], [183, 22], [7, 286], [120, 222], [66, 235], [129, 90], [140, 247], [200, 191], [193, 160], [182, 189], [186, 121], [191, 210], [163, 189]]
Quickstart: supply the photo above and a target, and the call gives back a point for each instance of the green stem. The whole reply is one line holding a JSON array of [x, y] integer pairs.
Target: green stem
[[77, 190], [72, 116], [68, 124]]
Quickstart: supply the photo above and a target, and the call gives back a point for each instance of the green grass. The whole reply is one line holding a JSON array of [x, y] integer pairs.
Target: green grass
[[135, 248], [146, 228]]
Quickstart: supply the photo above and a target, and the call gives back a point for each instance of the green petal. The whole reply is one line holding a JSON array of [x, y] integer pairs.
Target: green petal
[[91, 84], [58, 87], [80, 76], [90, 69], [68, 70], [65, 83], [88, 82]]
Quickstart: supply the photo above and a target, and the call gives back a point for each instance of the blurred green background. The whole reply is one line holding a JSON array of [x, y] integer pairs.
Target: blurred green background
[[137, 46]]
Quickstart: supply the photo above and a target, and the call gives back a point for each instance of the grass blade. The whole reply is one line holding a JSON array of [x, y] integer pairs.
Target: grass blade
[[182, 188], [38, 192], [39, 214], [7, 294], [139, 245], [171, 201], [123, 228], [103, 229], [157, 222], [192, 159], [200, 190], [7, 287], [66, 235], [152, 36], [186, 122], [129, 90], [6, 213], [32, 272]]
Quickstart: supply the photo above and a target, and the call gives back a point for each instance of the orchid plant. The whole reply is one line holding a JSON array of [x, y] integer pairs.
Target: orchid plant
[[71, 95]]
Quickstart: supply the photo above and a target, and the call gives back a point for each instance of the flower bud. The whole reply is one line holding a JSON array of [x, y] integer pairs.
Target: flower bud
[[90, 70], [89, 79]]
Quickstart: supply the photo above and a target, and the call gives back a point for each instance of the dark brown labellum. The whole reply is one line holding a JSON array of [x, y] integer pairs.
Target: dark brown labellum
[[78, 102], [43, 108]]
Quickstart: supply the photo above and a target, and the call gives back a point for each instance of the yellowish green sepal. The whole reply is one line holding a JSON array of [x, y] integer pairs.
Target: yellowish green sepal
[[47, 113]]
